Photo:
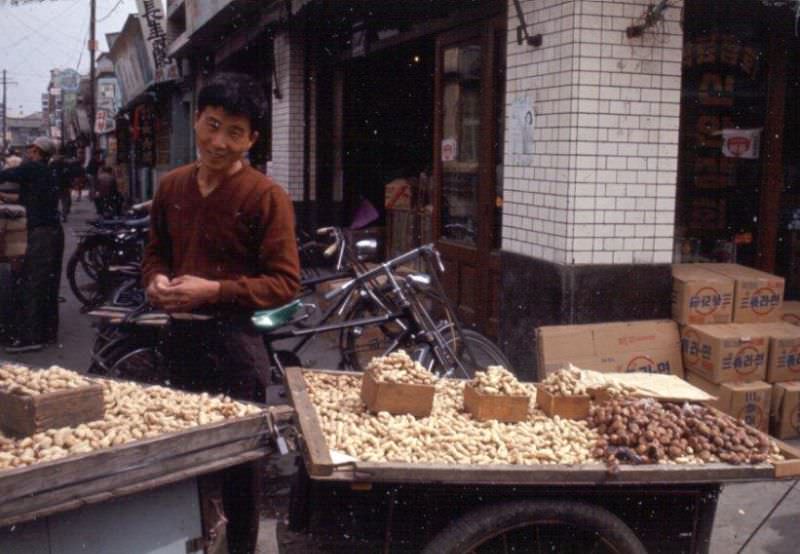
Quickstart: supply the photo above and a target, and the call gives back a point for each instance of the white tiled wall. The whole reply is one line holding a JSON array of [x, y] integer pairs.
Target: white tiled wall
[[287, 115], [600, 187]]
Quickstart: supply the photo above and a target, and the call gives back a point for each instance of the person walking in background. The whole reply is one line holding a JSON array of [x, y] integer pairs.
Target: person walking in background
[[107, 198], [41, 269], [61, 172]]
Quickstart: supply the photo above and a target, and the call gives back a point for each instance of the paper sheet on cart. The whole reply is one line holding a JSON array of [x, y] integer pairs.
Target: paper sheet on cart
[[653, 385], [338, 457]]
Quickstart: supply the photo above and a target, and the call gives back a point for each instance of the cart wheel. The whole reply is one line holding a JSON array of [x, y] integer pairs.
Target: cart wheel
[[537, 526]]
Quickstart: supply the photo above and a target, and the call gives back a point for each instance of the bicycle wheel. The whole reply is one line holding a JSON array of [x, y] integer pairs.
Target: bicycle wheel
[[474, 351], [537, 526], [132, 358], [358, 345], [85, 269]]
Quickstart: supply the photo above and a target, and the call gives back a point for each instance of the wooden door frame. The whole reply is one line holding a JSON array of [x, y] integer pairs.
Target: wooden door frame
[[772, 152], [484, 31]]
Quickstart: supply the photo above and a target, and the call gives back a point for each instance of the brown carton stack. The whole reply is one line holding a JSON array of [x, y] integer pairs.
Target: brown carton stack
[[758, 296], [648, 346], [731, 360], [700, 296], [786, 409], [791, 312]]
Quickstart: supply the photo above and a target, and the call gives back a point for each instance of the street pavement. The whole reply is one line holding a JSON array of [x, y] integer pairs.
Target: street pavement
[[760, 517]]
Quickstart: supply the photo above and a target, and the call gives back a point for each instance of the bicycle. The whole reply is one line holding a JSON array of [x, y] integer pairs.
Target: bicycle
[[399, 303]]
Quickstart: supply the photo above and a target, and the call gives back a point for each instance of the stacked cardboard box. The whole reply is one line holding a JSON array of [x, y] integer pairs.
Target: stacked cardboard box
[[739, 360], [648, 346], [791, 312]]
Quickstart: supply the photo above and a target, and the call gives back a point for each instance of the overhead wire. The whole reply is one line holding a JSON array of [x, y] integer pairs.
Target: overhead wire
[[110, 12]]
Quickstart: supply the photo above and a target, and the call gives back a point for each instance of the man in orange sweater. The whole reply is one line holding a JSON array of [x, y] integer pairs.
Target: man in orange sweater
[[222, 242]]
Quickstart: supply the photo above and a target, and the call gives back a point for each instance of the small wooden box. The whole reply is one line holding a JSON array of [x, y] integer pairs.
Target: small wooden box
[[22, 415], [397, 398], [510, 409], [569, 407]]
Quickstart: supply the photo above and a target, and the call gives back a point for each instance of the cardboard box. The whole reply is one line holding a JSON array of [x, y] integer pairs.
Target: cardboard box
[[648, 346], [726, 352], [783, 362], [791, 312], [785, 409], [758, 296], [700, 295], [748, 402]]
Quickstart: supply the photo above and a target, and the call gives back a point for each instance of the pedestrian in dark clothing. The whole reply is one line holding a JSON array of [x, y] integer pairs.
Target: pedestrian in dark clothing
[[61, 172], [41, 269]]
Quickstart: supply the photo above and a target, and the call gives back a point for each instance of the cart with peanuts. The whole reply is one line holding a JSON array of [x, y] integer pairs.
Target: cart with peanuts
[[101, 466], [451, 466]]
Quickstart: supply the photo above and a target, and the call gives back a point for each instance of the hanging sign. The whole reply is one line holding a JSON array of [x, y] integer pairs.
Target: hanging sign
[[741, 143], [151, 15]]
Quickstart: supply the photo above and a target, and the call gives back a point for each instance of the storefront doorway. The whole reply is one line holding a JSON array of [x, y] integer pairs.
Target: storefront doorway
[[738, 184], [387, 122]]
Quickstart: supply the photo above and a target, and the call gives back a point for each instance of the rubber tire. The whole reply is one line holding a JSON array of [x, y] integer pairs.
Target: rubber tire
[[133, 350], [485, 351], [80, 257], [474, 528], [353, 357]]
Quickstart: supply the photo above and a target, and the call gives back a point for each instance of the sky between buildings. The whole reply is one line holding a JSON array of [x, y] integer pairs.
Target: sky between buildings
[[45, 34]]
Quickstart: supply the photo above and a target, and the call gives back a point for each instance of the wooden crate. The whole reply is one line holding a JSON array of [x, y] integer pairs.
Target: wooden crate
[[47, 488], [24, 415], [397, 398], [569, 407], [491, 406]]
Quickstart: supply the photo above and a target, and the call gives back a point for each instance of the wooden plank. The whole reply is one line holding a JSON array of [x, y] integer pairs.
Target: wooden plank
[[790, 467], [136, 486], [315, 448], [146, 470], [545, 475], [33, 479]]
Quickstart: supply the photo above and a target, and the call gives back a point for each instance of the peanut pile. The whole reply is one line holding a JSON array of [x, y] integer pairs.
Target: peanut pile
[[497, 380], [132, 412], [644, 431], [572, 381], [18, 379], [565, 382], [398, 367], [448, 435]]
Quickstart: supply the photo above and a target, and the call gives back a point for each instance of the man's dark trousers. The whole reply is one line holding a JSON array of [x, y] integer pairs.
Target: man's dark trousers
[[41, 279]]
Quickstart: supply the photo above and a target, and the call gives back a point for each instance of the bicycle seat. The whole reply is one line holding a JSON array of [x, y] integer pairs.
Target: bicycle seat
[[266, 320]]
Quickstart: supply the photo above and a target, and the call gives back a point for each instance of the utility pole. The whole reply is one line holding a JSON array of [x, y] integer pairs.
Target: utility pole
[[92, 76], [6, 82]]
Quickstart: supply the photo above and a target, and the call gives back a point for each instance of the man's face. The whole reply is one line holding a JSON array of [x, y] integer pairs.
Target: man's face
[[222, 139], [33, 153]]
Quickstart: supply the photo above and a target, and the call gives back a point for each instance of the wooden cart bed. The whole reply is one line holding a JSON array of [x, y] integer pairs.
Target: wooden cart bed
[[320, 466], [47, 488]]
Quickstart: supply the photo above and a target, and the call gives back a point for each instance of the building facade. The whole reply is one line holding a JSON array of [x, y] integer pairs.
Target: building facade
[[562, 152]]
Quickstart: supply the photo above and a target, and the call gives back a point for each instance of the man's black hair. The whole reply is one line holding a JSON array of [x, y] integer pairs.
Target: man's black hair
[[237, 94]]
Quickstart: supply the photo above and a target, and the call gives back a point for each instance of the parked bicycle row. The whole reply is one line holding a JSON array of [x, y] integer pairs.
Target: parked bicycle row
[[365, 308]]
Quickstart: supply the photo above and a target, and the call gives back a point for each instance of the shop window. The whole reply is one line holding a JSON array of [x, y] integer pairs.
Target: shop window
[[461, 142], [723, 115]]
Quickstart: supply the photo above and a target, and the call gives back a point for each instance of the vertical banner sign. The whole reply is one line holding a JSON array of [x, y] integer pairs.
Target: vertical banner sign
[[153, 19]]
